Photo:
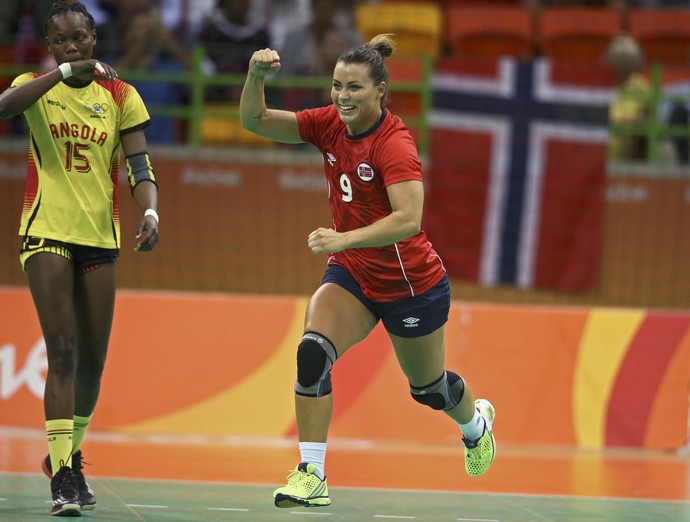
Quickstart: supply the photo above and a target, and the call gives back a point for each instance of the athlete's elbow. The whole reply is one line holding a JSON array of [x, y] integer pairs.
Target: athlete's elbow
[[408, 225], [248, 123], [412, 229], [6, 112], [416, 229]]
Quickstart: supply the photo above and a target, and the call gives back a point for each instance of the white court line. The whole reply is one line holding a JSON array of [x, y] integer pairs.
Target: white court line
[[152, 506], [227, 509], [310, 514]]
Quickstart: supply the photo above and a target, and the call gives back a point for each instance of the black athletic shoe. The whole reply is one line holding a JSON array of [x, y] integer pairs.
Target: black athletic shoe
[[63, 486], [86, 496]]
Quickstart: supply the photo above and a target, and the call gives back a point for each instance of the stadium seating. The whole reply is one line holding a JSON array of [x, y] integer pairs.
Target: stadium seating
[[489, 30], [664, 34], [406, 98], [221, 125], [577, 33], [417, 26]]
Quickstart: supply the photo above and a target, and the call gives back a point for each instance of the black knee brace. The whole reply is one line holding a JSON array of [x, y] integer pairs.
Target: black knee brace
[[445, 393], [315, 358]]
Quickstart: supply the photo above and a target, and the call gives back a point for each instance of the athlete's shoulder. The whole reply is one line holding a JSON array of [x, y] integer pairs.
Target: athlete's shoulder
[[26, 77], [393, 130], [319, 123], [120, 91], [321, 114], [394, 122]]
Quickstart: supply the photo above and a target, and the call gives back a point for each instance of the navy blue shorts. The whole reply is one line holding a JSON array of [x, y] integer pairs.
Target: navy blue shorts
[[409, 317]]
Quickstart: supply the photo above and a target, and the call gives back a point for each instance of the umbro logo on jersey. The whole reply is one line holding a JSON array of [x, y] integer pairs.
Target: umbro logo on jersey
[[330, 158], [411, 322]]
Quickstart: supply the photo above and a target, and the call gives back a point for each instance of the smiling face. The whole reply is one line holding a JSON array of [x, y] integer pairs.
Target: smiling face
[[70, 37], [356, 97]]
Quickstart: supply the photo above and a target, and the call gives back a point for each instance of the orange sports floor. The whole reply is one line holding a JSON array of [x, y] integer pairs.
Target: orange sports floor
[[655, 480]]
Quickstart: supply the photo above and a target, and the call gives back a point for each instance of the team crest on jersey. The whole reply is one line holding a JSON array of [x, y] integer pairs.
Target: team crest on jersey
[[365, 172], [98, 108]]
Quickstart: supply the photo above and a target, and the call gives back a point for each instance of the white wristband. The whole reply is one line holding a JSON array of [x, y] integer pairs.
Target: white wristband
[[66, 70], [151, 212]]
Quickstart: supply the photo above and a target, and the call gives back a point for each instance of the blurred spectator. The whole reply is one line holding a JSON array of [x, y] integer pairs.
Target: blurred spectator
[[147, 44], [630, 105], [313, 50], [112, 19], [301, 53], [230, 35], [679, 114], [114, 23], [173, 15], [284, 16], [197, 12], [333, 42], [676, 112], [10, 14]]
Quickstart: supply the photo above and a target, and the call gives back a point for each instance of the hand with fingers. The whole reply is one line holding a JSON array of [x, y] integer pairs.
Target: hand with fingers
[[264, 62], [147, 232], [88, 70]]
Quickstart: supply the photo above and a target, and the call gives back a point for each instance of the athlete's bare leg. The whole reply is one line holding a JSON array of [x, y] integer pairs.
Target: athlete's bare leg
[[51, 281], [422, 360], [94, 297], [344, 320]]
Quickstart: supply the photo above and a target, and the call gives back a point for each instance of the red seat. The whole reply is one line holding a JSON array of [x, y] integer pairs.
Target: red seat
[[489, 31], [663, 34], [579, 34]]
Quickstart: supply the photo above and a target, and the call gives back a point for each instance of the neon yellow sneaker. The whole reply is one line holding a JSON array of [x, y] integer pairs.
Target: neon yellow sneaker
[[303, 489], [480, 453]]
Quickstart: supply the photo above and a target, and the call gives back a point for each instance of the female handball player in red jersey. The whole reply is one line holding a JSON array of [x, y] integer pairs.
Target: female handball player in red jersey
[[381, 265]]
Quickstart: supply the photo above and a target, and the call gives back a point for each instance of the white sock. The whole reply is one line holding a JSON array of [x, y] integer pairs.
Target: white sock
[[314, 453], [473, 429]]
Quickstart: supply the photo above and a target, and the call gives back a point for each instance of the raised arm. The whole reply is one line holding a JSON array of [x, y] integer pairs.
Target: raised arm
[[273, 124], [16, 100]]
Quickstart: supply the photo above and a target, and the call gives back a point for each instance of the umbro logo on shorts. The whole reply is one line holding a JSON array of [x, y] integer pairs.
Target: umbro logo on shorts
[[411, 322]]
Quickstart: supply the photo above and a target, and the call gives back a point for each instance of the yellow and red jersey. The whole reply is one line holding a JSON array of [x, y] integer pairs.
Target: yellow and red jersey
[[74, 157]]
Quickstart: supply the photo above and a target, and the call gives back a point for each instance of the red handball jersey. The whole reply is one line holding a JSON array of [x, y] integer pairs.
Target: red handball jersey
[[358, 170]]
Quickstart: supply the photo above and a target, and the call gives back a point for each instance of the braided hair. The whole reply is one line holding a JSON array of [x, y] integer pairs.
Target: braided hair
[[60, 8]]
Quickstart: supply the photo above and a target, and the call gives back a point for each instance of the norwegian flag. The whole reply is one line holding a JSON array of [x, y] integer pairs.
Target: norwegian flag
[[518, 162]]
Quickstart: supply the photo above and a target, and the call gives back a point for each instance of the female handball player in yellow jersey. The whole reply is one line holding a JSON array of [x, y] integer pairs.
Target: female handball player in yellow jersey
[[80, 117]]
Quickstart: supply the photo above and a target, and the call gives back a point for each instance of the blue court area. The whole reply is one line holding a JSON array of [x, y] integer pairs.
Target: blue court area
[[23, 498]]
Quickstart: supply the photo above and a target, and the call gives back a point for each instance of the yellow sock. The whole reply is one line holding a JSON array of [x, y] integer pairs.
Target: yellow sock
[[59, 433], [81, 424]]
